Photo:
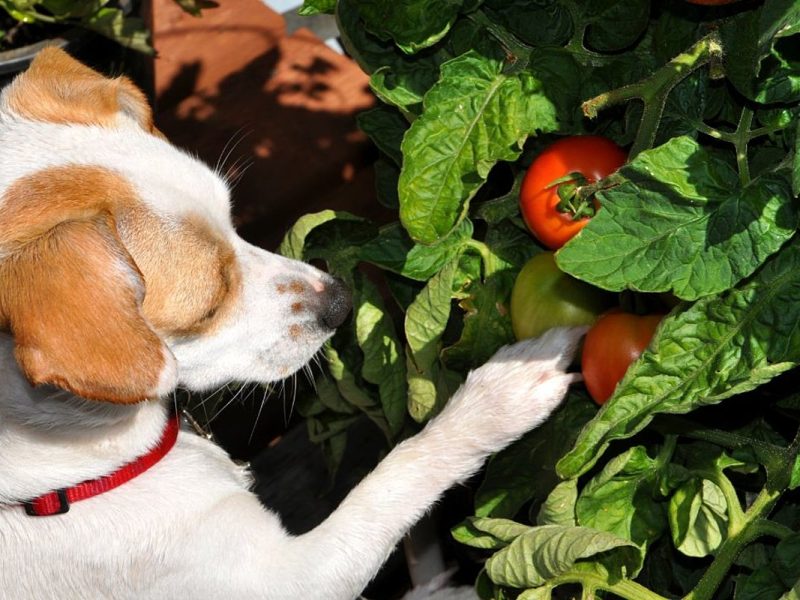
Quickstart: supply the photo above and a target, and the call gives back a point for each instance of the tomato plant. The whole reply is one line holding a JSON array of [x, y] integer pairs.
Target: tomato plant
[[612, 344], [551, 206], [684, 483], [544, 297]]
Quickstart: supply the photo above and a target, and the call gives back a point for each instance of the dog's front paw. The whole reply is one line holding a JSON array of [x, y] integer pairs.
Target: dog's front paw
[[517, 388]]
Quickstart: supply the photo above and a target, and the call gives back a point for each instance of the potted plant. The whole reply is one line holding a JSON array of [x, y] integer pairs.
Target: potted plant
[[105, 33]]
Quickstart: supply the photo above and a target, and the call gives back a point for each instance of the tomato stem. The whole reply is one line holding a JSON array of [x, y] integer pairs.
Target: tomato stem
[[741, 138], [653, 90], [571, 202]]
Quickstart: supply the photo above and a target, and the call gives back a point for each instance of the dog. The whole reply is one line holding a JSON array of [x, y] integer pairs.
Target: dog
[[121, 277]]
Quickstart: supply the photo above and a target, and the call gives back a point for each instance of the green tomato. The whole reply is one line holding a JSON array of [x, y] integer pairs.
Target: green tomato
[[544, 297]]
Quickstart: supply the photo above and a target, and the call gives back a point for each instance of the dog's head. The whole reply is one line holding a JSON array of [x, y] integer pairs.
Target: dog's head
[[121, 275]]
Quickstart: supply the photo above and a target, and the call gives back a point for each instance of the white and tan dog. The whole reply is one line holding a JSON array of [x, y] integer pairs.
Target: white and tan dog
[[121, 277]]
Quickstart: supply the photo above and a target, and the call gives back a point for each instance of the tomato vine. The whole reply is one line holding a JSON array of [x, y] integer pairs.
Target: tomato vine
[[692, 462]]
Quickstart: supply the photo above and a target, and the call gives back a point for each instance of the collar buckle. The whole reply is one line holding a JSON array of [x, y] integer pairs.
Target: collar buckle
[[46, 511]]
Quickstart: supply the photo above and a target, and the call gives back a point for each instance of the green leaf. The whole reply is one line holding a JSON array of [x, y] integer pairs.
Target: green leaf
[[796, 162], [698, 517], [338, 242], [412, 24], [425, 322], [474, 116], [749, 38], [786, 560], [329, 396], [293, 244], [488, 534], [487, 324], [551, 550], [614, 24], [316, 7], [383, 363], [394, 251], [526, 469], [702, 354], [679, 223], [503, 207], [349, 386], [387, 174], [386, 127], [559, 507], [128, 31], [541, 23], [621, 498], [761, 584]]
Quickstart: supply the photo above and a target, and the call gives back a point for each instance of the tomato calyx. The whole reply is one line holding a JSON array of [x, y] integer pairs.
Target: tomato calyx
[[572, 201]]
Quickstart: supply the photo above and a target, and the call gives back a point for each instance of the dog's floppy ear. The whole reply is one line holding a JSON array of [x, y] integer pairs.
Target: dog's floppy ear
[[56, 88], [71, 295]]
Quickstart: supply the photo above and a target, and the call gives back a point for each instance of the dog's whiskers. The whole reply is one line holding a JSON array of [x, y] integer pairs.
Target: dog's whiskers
[[230, 146], [267, 390]]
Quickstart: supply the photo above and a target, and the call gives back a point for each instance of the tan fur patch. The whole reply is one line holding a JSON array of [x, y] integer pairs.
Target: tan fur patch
[[34, 205], [71, 300], [190, 272], [56, 88], [89, 276]]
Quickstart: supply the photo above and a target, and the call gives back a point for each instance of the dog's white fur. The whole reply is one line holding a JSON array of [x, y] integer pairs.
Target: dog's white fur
[[189, 527]]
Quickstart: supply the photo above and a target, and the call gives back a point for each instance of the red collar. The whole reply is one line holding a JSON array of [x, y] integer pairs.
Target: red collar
[[58, 501]]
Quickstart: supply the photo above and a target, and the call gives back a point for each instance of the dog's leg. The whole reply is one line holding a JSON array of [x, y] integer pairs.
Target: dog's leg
[[514, 392]]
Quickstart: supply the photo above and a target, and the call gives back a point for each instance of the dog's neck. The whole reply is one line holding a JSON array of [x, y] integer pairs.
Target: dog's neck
[[51, 439]]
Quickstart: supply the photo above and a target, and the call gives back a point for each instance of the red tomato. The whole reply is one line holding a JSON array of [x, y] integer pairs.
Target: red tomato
[[612, 344], [592, 156]]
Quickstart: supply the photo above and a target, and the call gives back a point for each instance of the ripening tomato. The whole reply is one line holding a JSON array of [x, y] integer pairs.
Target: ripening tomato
[[612, 344], [544, 297], [552, 214]]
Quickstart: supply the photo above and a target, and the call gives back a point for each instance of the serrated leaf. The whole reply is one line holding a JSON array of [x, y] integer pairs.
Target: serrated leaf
[[679, 223], [293, 244], [412, 24], [526, 469], [474, 116], [559, 507], [426, 319], [385, 127], [748, 38], [488, 533], [614, 24], [387, 175], [394, 251], [702, 354], [383, 361], [128, 31], [349, 387], [545, 552], [541, 23], [620, 499], [487, 323], [698, 517]]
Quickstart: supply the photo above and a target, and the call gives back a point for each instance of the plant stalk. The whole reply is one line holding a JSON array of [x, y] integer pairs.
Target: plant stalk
[[752, 528], [653, 90], [624, 588]]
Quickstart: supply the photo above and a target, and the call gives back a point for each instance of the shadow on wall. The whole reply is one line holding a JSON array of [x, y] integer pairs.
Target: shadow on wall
[[282, 130]]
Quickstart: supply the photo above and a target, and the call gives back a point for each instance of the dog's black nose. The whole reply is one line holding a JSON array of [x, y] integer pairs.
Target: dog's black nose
[[340, 301]]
